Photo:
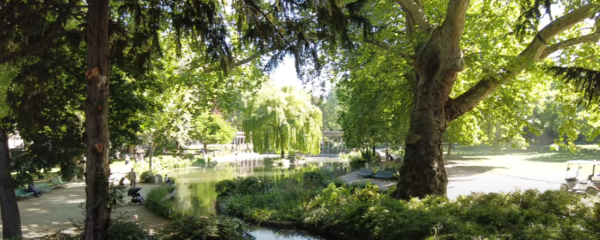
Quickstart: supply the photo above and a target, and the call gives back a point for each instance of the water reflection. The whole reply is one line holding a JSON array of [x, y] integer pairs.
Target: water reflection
[[196, 186], [271, 234]]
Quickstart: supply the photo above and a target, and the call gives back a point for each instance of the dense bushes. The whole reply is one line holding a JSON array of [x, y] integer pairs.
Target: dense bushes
[[147, 177], [118, 230], [359, 159], [367, 213], [193, 223], [155, 204], [205, 226], [271, 198]]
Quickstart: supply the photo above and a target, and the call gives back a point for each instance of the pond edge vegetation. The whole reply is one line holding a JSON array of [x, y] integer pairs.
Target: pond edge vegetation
[[322, 204]]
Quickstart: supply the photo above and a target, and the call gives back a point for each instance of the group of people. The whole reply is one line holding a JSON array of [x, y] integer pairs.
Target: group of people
[[138, 158], [132, 176]]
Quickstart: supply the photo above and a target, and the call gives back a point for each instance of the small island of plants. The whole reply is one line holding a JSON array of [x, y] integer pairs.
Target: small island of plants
[[318, 202]]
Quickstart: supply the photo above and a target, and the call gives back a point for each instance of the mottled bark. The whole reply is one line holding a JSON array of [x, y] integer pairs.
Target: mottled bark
[[11, 218], [436, 65], [97, 217]]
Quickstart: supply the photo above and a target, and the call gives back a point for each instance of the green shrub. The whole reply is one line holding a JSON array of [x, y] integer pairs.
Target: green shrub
[[248, 185], [125, 230], [189, 156], [199, 162], [225, 187], [118, 230], [155, 204], [147, 177], [314, 179], [357, 162], [365, 212], [205, 226]]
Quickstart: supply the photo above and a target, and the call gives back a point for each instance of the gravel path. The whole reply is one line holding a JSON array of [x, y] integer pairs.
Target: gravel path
[[53, 211]]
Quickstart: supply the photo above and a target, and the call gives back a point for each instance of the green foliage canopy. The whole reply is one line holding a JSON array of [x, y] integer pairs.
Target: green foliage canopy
[[211, 128], [283, 120]]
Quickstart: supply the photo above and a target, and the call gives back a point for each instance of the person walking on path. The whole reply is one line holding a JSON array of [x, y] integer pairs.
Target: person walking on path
[[132, 177]]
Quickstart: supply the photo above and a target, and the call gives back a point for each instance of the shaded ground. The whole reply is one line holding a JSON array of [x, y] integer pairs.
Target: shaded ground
[[53, 211], [480, 169], [472, 169]]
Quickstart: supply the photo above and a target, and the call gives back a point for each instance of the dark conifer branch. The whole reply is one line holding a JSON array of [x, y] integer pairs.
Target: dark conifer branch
[[31, 49], [584, 80], [209, 69]]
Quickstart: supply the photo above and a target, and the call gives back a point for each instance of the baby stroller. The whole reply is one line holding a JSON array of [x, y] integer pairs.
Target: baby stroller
[[136, 197]]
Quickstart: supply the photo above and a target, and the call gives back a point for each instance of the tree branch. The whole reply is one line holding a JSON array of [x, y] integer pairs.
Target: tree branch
[[452, 31], [469, 99], [30, 49], [415, 14], [594, 37], [379, 44], [209, 69], [454, 23]]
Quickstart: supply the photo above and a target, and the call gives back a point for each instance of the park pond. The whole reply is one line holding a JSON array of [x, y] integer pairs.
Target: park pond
[[196, 186]]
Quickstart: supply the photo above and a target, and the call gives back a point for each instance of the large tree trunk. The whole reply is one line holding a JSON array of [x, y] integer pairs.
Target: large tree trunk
[[97, 217], [423, 172], [436, 66], [11, 218]]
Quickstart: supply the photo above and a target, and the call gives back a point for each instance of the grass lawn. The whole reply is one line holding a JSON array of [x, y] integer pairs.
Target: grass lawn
[[538, 162]]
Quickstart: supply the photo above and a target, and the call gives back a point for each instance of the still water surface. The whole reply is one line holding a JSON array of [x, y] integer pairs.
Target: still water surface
[[196, 186]]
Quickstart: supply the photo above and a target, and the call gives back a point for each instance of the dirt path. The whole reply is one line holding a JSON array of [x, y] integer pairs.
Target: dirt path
[[53, 211]]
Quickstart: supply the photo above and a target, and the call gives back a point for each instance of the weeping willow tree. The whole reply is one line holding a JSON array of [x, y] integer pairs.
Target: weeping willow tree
[[283, 120]]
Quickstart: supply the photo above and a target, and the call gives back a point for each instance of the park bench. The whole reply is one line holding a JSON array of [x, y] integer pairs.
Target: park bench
[[383, 174], [364, 173], [44, 187], [57, 182], [21, 193]]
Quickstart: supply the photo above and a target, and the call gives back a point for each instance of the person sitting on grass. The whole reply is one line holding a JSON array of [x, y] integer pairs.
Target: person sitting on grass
[[35, 191], [167, 180], [121, 182]]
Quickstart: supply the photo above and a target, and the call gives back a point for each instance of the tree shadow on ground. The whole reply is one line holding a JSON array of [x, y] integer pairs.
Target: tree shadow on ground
[[566, 155], [458, 173], [53, 211], [534, 153]]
